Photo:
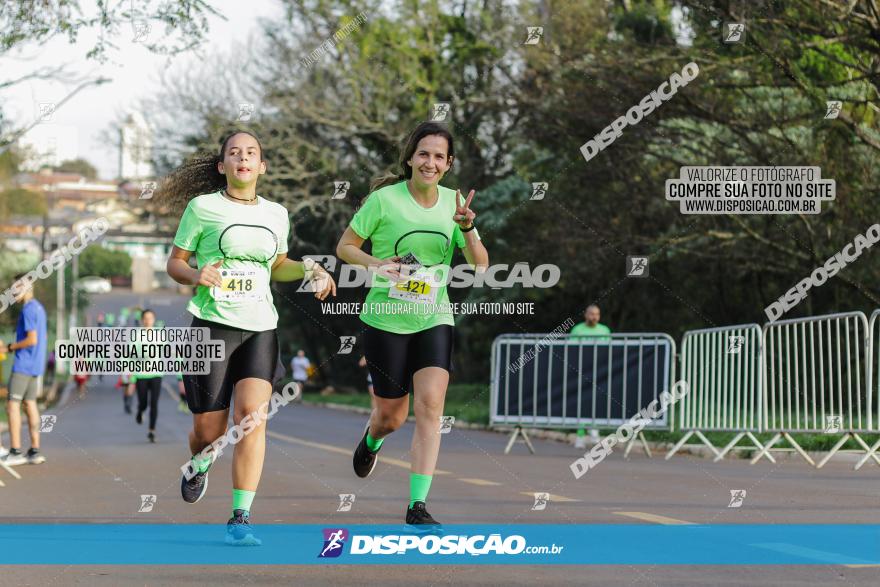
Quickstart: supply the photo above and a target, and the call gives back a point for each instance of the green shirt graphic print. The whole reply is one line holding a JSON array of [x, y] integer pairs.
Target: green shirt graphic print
[[247, 238], [396, 225]]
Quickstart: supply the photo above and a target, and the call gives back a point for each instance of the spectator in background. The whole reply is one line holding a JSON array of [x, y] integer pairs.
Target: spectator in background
[[26, 381], [137, 315], [590, 327], [100, 319], [300, 367]]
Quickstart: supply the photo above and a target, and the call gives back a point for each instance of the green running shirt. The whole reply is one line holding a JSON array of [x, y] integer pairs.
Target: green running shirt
[[247, 238], [396, 224]]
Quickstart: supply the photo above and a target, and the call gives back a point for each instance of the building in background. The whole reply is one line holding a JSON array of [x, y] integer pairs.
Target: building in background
[[135, 149]]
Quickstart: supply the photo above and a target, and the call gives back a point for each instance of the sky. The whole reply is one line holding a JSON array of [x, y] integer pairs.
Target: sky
[[79, 127]]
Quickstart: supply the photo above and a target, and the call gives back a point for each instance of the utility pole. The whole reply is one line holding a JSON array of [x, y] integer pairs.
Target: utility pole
[[60, 333], [74, 305]]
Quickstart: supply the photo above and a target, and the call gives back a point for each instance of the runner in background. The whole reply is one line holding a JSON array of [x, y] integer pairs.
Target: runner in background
[[125, 384], [299, 365], [149, 387], [181, 391], [362, 363]]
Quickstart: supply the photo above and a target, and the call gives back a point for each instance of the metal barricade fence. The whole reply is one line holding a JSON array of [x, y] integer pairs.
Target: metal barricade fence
[[873, 385], [722, 367], [573, 382], [816, 375]]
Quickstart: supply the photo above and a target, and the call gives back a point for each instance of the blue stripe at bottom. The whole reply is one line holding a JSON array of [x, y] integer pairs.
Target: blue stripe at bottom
[[469, 544]]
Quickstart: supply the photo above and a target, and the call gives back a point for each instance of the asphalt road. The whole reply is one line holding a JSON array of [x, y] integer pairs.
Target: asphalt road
[[99, 464]]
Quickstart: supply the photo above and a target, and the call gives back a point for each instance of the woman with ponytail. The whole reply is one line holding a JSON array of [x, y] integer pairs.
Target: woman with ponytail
[[412, 222], [240, 243]]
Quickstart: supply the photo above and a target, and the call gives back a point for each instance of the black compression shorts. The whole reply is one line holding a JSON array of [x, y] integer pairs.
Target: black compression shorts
[[248, 354], [393, 358]]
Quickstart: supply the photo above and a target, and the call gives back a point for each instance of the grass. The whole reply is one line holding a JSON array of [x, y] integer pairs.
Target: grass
[[470, 403], [467, 402]]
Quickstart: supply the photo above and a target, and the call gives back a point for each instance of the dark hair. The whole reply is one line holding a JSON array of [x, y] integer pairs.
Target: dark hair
[[145, 310], [405, 171], [197, 176]]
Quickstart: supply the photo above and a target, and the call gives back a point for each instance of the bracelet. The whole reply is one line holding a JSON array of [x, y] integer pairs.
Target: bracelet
[[473, 226]]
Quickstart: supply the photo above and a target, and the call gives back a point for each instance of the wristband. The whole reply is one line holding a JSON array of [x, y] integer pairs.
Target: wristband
[[473, 226]]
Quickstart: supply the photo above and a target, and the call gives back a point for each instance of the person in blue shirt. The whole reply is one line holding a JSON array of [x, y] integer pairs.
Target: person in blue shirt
[[26, 381]]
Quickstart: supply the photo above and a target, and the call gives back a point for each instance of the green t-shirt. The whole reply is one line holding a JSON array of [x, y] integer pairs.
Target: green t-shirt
[[109, 319], [396, 225], [581, 330], [247, 238]]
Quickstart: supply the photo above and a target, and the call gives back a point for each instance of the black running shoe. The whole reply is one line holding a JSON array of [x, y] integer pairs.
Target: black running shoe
[[139, 418], [192, 490], [239, 531], [364, 460], [417, 515], [151, 436]]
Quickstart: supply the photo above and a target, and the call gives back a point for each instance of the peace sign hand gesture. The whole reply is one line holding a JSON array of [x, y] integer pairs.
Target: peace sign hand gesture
[[464, 216]]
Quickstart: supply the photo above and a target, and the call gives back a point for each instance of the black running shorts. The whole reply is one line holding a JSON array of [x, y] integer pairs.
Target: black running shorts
[[248, 354], [393, 358]]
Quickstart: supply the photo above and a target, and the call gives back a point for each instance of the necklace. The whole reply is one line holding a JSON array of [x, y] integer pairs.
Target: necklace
[[225, 191]]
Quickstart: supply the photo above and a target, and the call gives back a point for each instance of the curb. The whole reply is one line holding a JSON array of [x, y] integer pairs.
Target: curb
[[659, 448]]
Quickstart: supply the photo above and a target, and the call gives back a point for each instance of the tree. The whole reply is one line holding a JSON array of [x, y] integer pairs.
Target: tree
[[21, 202], [96, 260], [80, 166]]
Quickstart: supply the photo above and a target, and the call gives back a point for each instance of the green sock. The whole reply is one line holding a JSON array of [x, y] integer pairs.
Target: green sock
[[200, 463], [242, 499], [374, 443], [419, 485]]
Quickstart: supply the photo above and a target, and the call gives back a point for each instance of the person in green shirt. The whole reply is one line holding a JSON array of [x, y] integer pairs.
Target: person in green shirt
[[590, 327], [240, 243], [148, 386], [410, 218]]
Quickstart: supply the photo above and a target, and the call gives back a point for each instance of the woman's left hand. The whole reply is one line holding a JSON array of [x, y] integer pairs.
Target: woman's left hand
[[464, 216]]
